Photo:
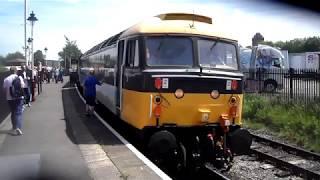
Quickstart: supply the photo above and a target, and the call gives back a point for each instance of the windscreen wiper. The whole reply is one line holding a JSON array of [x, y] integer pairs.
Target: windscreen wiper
[[161, 43], [214, 44]]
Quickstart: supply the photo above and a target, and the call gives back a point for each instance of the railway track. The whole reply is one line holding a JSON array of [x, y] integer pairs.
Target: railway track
[[292, 159], [214, 173]]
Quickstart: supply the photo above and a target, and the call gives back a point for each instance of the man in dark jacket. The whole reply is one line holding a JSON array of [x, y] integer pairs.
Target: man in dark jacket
[[30, 81], [90, 91]]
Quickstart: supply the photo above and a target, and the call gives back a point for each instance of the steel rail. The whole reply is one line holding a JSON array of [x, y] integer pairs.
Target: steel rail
[[288, 148], [305, 173], [215, 172]]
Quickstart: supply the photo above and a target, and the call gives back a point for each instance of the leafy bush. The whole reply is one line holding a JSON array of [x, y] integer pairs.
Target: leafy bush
[[295, 121]]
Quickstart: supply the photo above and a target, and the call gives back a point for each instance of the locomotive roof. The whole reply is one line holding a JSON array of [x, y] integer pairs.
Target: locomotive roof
[[180, 23], [170, 23]]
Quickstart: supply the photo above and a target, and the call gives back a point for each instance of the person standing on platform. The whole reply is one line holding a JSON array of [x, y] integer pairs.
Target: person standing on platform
[[90, 91], [35, 79], [61, 75], [26, 88], [56, 75], [20, 75], [29, 75], [12, 87], [48, 74]]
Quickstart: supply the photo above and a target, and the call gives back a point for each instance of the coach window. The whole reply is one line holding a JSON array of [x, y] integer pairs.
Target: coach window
[[132, 55]]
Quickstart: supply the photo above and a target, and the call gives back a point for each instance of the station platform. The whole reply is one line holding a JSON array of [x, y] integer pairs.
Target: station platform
[[57, 144]]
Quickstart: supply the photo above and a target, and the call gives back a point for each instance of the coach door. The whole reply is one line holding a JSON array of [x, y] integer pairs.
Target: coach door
[[119, 74]]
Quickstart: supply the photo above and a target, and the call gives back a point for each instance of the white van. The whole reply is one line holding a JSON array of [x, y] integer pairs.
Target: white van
[[262, 65]]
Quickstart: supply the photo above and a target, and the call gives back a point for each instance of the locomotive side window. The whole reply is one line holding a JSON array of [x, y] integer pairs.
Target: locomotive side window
[[136, 54], [132, 55], [169, 51]]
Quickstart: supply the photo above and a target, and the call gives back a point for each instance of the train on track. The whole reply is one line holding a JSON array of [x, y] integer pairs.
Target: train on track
[[176, 80]]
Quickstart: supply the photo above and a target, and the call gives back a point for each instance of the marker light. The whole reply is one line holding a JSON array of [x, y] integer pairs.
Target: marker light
[[234, 85], [158, 83], [179, 93], [157, 111], [215, 94], [233, 111]]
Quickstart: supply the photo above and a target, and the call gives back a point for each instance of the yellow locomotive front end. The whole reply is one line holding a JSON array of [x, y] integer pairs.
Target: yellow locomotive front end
[[189, 94], [176, 80], [196, 102], [183, 91]]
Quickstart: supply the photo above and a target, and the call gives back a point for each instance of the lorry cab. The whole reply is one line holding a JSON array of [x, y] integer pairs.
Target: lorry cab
[[262, 65]]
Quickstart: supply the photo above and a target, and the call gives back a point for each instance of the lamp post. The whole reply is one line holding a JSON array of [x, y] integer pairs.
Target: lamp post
[[29, 58], [45, 55], [25, 30], [32, 18]]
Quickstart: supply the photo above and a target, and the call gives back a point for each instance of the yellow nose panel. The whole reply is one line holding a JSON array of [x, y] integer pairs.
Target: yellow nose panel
[[193, 109]]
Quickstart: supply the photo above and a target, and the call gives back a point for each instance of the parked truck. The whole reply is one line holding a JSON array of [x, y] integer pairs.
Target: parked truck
[[305, 60], [260, 65]]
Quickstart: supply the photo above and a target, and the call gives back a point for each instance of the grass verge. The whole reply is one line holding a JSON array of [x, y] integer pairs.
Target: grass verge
[[297, 122]]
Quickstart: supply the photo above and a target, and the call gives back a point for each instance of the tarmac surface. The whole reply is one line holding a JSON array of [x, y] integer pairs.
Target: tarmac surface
[[57, 144]]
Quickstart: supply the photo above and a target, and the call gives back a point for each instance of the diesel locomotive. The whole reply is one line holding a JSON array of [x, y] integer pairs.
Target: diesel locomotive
[[175, 79]]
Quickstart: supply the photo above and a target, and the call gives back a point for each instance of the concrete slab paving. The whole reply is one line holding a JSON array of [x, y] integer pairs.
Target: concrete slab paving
[[20, 167], [47, 136], [129, 165], [58, 144]]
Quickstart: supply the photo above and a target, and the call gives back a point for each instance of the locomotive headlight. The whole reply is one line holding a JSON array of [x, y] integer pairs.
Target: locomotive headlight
[[179, 93], [233, 100], [157, 99], [215, 94]]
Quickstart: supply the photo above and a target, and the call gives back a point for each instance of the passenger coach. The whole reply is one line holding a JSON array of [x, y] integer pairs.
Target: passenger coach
[[176, 80]]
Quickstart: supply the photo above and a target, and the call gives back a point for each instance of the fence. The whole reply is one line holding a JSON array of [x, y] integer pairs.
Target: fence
[[285, 84]]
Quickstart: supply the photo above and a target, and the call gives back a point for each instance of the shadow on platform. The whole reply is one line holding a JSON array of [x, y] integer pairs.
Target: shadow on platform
[[80, 128]]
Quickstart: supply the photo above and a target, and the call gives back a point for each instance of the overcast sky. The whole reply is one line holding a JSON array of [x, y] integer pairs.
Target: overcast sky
[[91, 21]]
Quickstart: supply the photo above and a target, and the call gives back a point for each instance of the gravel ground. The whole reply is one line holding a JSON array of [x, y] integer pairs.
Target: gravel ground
[[250, 168], [300, 161]]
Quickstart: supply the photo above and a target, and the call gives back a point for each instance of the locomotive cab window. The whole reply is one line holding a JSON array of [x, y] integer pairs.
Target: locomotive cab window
[[132, 55], [216, 54], [169, 51]]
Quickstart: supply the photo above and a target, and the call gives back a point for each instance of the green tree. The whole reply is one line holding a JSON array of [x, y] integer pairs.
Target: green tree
[[297, 45], [38, 57], [70, 51], [312, 44], [270, 43], [16, 55], [2, 60]]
